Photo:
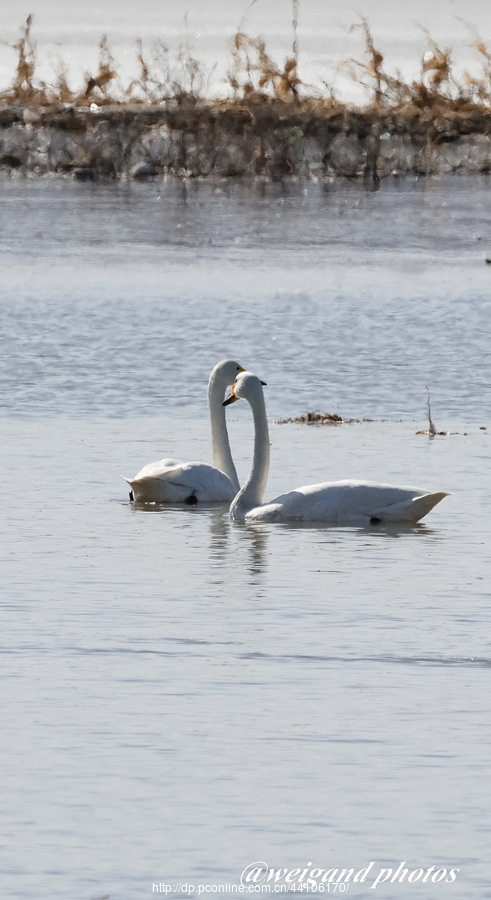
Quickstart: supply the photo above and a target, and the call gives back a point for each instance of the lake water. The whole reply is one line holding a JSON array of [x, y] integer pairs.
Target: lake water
[[182, 697]]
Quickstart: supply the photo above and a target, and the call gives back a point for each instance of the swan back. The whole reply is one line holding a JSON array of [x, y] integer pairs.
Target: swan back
[[349, 503]]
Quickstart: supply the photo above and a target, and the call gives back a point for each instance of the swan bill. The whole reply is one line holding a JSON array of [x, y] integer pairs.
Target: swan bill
[[232, 396], [230, 399]]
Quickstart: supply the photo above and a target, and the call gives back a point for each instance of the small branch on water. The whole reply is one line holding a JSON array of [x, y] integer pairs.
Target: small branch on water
[[431, 430]]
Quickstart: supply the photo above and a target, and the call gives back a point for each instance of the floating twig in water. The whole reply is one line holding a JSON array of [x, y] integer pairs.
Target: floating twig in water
[[431, 430]]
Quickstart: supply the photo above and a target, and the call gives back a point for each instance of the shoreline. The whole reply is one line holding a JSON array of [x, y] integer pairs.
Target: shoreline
[[272, 127], [269, 139]]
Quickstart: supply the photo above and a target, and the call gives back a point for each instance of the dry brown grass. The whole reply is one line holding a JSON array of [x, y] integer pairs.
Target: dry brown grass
[[437, 90], [254, 77], [26, 90], [479, 88], [23, 89], [97, 86]]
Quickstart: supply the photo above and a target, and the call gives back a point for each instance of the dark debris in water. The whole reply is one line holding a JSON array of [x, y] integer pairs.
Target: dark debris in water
[[433, 434], [320, 418]]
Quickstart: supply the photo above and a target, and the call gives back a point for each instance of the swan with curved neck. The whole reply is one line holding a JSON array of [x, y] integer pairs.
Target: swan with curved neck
[[173, 481], [333, 503]]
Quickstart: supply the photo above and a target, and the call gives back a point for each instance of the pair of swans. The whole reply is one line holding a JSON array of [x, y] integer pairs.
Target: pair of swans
[[333, 503]]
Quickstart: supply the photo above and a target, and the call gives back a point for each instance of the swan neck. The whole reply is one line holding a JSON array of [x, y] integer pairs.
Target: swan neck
[[220, 444], [252, 493]]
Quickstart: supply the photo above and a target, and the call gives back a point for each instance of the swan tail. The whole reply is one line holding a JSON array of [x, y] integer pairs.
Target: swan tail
[[152, 490], [410, 511]]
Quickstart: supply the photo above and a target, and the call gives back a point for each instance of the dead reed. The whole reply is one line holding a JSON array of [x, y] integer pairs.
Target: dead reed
[[254, 76]]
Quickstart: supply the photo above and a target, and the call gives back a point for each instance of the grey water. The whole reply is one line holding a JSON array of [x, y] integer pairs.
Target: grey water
[[181, 697]]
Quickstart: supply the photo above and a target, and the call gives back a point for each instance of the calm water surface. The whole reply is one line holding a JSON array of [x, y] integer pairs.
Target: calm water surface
[[182, 697]]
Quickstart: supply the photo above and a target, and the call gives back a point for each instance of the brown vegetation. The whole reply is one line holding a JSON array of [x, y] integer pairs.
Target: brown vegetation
[[272, 125]]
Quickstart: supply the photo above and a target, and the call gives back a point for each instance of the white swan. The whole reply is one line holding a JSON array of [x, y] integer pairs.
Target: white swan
[[173, 481], [334, 503]]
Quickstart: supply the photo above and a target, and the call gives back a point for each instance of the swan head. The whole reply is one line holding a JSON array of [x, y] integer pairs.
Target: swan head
[[225, 372], [245, 386]]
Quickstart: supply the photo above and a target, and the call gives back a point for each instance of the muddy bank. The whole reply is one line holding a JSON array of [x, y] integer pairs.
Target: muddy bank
[[272, 140]]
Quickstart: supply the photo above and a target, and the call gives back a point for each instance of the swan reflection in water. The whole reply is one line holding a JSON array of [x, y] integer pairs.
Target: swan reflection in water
[[227, 545], [229, 551]]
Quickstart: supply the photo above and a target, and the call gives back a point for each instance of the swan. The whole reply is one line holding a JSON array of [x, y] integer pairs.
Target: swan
[[334, 503], [173, 481]]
